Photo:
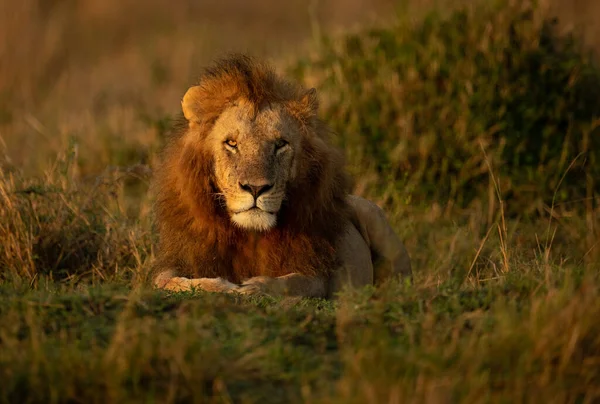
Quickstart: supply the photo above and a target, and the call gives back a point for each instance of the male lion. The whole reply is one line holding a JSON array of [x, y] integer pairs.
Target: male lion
[[251, 198]]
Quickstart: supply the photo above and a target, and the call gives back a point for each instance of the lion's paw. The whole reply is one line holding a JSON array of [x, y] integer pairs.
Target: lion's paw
[[213, 285], [259, 285]]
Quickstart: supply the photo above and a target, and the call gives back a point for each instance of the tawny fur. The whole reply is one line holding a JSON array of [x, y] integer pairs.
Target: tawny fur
[[319, 228]]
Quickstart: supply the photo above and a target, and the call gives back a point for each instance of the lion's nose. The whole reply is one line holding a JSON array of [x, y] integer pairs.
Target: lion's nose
[[256, 190]]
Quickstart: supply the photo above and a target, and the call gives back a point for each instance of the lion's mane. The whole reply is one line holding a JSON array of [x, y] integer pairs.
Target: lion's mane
[[196, 235]]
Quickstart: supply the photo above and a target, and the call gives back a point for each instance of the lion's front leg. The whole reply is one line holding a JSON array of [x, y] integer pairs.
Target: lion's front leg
[[181, 284], [288, 285]]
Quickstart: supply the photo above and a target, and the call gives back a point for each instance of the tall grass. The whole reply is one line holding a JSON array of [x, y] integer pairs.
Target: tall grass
[[59, 228]]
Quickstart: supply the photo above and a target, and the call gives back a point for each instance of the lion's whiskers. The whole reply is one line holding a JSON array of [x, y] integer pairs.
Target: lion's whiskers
[[220, 198]]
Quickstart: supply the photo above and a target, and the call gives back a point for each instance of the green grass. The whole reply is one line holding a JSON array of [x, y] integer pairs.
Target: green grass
[[487, 170], [501, 343]]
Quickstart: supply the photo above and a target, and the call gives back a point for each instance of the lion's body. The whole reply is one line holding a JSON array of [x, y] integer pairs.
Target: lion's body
[[249, 191]]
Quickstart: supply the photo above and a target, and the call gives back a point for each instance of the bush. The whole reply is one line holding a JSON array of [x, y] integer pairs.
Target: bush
[[432, 107]]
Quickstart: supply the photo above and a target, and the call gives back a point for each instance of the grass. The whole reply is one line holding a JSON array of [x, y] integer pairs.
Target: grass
[[506, 254], [496, 342]]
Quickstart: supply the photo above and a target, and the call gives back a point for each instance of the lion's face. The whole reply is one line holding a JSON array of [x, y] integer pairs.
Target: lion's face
[[254, 159]]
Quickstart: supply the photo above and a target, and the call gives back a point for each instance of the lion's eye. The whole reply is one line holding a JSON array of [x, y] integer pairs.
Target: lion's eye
[[280, 143], [231, 143]]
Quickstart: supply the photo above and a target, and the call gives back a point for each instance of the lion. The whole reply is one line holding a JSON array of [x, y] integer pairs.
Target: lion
[[252, 198]]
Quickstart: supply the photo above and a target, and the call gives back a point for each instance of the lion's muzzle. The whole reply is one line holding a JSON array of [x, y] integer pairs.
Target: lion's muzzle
[[256, 190], [255, 205]]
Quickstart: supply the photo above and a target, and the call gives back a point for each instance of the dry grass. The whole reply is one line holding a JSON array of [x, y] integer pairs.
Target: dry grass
[[64, 230], [501, 310]]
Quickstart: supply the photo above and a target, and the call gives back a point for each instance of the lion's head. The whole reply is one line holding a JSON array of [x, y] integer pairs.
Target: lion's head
[[251, 158], [255, 157]]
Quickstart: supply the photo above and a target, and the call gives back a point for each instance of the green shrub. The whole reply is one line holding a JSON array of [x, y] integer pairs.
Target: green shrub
[[421, 104]]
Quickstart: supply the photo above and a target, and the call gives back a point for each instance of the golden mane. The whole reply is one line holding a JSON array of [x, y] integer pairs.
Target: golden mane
[[197, 237]]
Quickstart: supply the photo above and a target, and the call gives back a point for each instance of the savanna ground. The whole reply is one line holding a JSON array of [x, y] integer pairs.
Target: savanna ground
[[476, 128]]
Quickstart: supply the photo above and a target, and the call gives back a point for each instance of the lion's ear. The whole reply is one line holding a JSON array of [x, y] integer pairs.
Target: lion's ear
[[305, 108], [190, 104], [310, 102]]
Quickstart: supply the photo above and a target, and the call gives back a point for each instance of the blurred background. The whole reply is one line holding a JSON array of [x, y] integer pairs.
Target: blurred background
[[110, 69]]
